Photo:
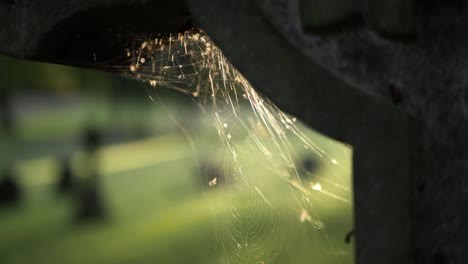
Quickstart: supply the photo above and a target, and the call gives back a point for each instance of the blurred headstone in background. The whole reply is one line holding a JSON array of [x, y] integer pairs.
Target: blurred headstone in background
[[90, 201], [89, 197], [92, 140], [10, 192], [309, 165], [66, 176], [6, 114]]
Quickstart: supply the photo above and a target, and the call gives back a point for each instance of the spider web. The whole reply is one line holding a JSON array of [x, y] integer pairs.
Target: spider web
[[269, 205]]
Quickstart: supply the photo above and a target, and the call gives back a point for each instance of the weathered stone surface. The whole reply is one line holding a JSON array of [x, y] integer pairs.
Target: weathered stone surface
[[392, 18], [83, 32], [430, 74], [316, 14]]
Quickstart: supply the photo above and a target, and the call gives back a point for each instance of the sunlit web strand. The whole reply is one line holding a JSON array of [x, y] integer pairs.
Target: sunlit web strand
[[192, 64]]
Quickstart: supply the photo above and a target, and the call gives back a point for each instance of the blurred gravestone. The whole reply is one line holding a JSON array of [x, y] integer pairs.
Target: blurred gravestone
[[90, 204], [309, 167], [9, 188], [66, 179], [90, 201], [92, 140], [6, 115]]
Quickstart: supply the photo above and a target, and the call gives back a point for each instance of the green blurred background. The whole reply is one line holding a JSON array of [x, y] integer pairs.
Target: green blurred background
[[151, 179]]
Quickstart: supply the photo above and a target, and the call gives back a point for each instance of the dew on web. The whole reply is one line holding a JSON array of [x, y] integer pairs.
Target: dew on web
[[316, 186], [268, 207], [304, 216], [213, 182]]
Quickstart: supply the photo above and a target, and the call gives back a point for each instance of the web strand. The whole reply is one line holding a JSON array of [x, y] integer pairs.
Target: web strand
[[258, 175]]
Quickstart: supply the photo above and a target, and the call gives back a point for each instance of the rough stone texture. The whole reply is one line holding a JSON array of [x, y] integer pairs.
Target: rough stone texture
[[390, 17], [393, 18], [83, 32], [429, 73], [316, 14]]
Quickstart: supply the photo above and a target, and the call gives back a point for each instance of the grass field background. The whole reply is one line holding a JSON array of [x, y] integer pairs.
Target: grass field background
[[159, 206]]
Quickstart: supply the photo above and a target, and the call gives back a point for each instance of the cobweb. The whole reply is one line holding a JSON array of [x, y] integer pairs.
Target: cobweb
[[272, 184]]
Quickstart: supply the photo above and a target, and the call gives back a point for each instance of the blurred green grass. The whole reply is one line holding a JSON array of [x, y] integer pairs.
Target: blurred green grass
[[141, 181], [160, 210]]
